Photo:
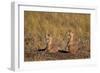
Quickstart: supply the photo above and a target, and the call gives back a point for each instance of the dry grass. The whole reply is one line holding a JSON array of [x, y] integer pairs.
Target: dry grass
[[37, 24]]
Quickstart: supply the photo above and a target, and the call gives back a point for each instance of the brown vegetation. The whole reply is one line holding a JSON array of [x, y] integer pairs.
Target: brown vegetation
[[56, 36]]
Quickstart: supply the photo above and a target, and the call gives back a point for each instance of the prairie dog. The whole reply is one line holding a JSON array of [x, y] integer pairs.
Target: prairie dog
[[72, 42], [50, 45]]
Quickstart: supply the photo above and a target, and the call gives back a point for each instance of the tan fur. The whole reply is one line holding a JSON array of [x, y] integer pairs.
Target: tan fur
[[53, 49], [73, 44], [50, 46]]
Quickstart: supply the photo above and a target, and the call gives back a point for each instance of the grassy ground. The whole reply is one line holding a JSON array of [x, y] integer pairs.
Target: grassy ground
[[43, 55], [37, 24]]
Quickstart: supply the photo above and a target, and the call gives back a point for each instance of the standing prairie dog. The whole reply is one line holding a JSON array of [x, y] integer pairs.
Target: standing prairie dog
[[50, 46], [72, 42], [49, 41]]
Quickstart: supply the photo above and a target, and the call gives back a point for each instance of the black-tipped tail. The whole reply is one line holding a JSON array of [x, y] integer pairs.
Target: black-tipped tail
[[41, 49], [63, 51]]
